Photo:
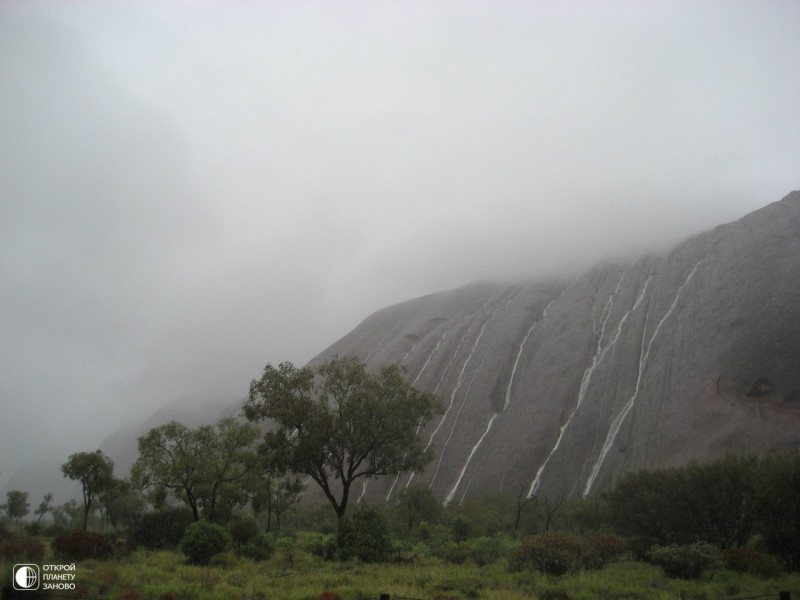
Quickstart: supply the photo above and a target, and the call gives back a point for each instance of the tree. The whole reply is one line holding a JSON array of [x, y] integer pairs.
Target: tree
[[364, 536], [337, 423], [94, 471], [778, 509], [720, 498], [551, 507], [169, 457], [522, 502], [712, 502], [66, 515], [44, 507], [230, 457], [120, 503], [17, 505], [644, 504], [269, 491], [416, 504], [200, 465]]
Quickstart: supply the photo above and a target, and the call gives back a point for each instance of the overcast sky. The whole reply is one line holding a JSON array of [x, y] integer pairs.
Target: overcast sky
[[189, 190]]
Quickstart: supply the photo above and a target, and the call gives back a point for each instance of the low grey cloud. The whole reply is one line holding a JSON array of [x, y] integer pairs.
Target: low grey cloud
[[191, 190]]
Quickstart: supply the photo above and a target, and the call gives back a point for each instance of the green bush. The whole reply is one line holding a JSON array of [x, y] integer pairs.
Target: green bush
[[21, 548], [600, 549], [487, 550], [261, 547], [81, 545], [551, 553], [453, 553], [243, 530], [203, 540], [287, 549], [463, 528], [688, 561], [364, 536], [322, 546], [748, 560], [162, 528]]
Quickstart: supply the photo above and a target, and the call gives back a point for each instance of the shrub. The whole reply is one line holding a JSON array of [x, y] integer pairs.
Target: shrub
[[687, 561], [748, 560], [286, 546], [329, 595], [124, 547], [243, 531], [322, 546], [456, 554], [203, 540], [162, 529], [463, 528], [364, 536], [20, 548], [486, 550], [261, 547], [551, 553], [81, 545], [600, 549], [130, 594]]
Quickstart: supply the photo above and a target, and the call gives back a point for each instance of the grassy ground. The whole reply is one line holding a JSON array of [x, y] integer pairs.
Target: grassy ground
[[165, 575]]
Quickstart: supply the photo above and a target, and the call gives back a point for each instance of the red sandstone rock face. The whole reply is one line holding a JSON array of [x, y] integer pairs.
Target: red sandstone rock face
[[560, 387]]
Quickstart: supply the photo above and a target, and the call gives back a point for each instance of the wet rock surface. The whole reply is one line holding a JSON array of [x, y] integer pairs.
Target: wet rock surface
[[562, 386]]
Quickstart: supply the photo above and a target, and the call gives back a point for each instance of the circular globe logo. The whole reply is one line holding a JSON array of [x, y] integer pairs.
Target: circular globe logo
[[26, 577]]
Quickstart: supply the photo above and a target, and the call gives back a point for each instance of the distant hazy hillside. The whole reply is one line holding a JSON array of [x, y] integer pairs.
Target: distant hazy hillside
[[561, 386], [558, 387]]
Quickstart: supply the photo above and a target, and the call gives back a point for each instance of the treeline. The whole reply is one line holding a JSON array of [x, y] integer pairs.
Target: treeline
[[335, 424], [734, 502], [744, 507]]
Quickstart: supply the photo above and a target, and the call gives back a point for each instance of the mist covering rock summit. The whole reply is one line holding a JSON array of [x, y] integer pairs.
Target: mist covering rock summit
[[560, 387]]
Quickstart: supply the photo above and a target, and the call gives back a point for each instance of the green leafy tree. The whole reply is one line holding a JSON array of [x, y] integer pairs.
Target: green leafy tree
[[66, 515], [337, 423], [712, 502], [364, 535], [489, 514], [229, 458], [271, 492], [171, 457], [417, 504], [644, 505], [778, 507], [201, 466], [120, 503], [719, 496], [17, 505], [463, 528], [94, 471], [44, 507]]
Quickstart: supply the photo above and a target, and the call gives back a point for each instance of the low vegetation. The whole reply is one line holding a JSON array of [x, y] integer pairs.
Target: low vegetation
[[168, 575]]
